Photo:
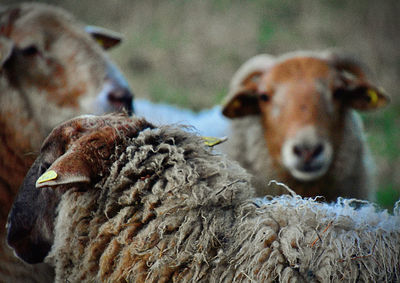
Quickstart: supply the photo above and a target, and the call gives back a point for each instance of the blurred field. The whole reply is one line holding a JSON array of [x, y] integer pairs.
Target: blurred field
[[185, 52]]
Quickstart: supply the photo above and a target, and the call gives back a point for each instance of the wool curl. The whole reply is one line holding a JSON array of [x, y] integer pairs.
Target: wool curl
[[172, 210]]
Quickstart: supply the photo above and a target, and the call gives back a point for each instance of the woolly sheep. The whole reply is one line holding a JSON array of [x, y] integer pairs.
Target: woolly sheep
[[139, 203], [50, 70], [293, 121]]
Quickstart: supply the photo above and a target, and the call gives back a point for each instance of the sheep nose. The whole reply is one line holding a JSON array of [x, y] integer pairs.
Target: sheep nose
[[118, 93], [308, 153], [121, 98]]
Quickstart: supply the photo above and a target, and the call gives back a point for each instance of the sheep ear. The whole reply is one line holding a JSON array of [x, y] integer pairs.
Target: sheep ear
[[106, 38], [362, 97], [69, 168], [6, 48], [244, 101], [354, 88]]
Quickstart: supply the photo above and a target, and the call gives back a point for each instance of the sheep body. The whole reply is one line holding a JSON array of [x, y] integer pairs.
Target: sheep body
[[150, 220], [294, 239], [170, 210]]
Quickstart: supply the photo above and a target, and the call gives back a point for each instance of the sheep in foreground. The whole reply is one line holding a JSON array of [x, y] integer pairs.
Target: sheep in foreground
[[116, 199], [293, 121], [51, 70]]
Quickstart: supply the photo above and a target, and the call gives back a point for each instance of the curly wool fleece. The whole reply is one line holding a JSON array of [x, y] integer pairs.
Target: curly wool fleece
[[292, 239], [170, 210], [162, 214]]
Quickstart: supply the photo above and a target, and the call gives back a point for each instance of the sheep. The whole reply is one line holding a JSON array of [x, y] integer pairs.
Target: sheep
[[117, 199], [300, 144], [293, 121], [51, 69]]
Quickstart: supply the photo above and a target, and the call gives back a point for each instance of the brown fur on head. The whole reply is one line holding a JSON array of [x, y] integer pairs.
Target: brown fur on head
[[51, 69], [302, 100], [73, 156]]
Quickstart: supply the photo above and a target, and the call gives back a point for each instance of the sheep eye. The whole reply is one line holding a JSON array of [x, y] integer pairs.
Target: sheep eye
[[30, 50], [264, 97]]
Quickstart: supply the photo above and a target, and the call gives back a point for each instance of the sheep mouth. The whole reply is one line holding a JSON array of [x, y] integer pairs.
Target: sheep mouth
[[310, 168], [309, 171]]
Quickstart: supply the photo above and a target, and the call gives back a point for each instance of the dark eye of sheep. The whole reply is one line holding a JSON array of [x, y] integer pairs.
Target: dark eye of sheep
[[339, 94], [264, 97], [30, 50]]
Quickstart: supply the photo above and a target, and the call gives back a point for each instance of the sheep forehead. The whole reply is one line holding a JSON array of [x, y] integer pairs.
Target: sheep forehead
[[87, 124], [304, 79], [299, 69]]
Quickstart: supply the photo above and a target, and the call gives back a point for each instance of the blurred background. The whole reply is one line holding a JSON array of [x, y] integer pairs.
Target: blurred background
[[185, 52]]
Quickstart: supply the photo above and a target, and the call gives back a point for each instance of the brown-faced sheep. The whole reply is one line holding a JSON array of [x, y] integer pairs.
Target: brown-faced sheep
[[115, 199], [51, 69], [293, 121]]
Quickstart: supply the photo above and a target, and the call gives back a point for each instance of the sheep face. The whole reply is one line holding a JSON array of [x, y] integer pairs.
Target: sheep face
[[51, 60], [75, 155], [302, 102]]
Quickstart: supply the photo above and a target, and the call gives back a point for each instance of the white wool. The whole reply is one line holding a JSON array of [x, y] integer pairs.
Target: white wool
[[208, 122]]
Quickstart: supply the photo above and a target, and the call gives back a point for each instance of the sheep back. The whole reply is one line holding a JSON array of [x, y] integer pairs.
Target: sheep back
[[293, 239]]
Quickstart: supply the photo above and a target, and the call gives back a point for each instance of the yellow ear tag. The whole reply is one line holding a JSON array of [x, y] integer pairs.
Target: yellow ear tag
[[211, 141], [236, 104], [47, 176], [100, 41], [373, 96]]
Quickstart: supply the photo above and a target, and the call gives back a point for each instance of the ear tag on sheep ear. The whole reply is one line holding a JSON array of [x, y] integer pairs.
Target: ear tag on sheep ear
[[373, 96], [236, 104], [212, 141], [47, 176], [100, 41]]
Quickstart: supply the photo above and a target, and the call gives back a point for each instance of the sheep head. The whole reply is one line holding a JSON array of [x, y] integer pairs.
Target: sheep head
[[74, 156], [51, 69], [45, 52], [302, 101]]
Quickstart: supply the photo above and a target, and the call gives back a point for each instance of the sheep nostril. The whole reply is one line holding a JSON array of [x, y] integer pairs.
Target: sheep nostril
[[307, 153], [297, 150], [317, 150], [121, 99]]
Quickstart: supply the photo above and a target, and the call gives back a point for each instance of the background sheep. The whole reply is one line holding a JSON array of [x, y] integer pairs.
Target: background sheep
[[297, 123], [294, 121], [50, 70], [141, 203]]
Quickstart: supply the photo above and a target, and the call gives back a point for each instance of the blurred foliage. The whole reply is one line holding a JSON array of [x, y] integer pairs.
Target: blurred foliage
[[184, 52]]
